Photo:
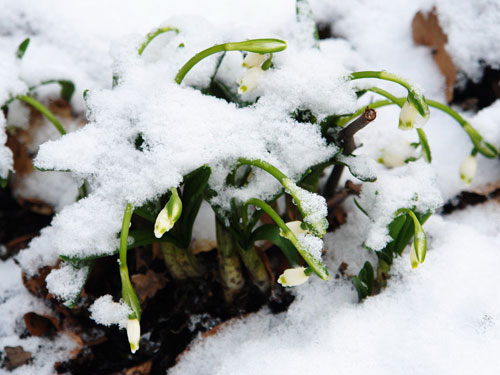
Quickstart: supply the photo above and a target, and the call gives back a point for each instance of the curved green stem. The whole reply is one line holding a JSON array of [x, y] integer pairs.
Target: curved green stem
[[253, 45], [318, 267], [44, 111], [128, 293], [269, 168], [414, 96], [486, 149], [154, 34]]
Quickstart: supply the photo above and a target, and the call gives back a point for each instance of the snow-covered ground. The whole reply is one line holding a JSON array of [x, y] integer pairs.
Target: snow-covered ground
[[442, 317]]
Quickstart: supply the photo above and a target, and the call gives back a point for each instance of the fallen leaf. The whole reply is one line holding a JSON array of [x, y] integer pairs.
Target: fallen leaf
[[41, 325], [15, 356], [146, 285], [428, 32], [142, 369]]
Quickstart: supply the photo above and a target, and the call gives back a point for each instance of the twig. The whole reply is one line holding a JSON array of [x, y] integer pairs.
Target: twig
[[347, 139]]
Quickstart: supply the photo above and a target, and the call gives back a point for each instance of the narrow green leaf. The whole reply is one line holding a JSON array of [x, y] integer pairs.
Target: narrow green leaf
[[271, 233], [21, 50]]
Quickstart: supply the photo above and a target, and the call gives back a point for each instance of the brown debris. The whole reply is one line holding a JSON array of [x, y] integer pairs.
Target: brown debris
[[428, 32], [142, 369], [15, 356], [36, 285], [146, 285], [41, 325]]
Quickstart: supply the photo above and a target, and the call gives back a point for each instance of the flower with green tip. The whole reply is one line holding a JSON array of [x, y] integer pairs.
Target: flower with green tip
[[250, 80], [133, 334], [413, 257], [252, 60], [397, 155], [296, 227], [410, 117], [294, 276], [169, 214], [468, 169]]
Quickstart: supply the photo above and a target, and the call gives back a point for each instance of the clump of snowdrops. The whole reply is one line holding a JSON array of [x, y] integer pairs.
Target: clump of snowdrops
[[171, 217]]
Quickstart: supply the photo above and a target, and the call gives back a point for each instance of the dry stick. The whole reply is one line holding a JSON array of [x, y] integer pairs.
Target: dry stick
[[347, 138]]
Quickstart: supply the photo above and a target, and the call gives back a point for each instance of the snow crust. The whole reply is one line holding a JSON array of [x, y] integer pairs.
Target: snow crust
[[107, 312]]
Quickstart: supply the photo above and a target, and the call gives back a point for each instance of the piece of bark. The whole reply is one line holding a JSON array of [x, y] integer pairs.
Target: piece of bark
[[15, 356], [142, 369], [428, 32]]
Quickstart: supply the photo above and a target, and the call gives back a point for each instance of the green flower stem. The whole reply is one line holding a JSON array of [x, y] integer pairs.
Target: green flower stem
[[416, 98], [128, 293], [229, 262], [253, 45], [420, 240], [44, 111], [153, 35], [273, 171], [486, 149], [255, 267], [316, 265]]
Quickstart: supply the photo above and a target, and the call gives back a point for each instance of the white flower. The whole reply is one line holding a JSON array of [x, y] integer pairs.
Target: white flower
[[133, 334], [413, 257], [293, 277], [168, 215], [253, 59], [296, 228], [410, 118], [468, 169], [397, 154], [250, 80]]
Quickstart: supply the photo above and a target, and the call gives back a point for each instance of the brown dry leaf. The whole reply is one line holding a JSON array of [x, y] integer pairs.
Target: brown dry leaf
[[36, 285], [23, 164], [428, 32], [146, 285], [15, 356], [41, 325], [142, 369]]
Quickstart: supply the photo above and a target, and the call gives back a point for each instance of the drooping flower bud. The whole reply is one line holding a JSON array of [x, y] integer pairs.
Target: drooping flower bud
[[397, 155], [169, 214], [296, 227], [250, 80], [410, 117], [294, 276], [253, 59], [468, 169], [133, 334]]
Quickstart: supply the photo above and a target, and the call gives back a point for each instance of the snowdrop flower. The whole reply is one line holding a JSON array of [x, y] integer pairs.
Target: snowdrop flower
[[413, 257], [250, 80], [253, 60], [468, 169], [294, 276], [410, 117], [133, 334], [296, 227], [169, 215], [397, 154]]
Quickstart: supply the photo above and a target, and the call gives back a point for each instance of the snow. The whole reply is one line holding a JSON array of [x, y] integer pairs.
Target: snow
[[106, 312], [15, 301], [421, 323]]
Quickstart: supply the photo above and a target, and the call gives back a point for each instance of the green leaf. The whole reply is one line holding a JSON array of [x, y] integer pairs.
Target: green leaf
[[271, 233], [67, 89], [364, 281], [3, 182], [426, 150], [21, 50], [80, 264], [192, 198]]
